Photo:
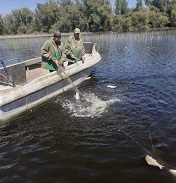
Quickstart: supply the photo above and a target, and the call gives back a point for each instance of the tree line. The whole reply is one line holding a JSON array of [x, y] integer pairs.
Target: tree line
[[90, 16]]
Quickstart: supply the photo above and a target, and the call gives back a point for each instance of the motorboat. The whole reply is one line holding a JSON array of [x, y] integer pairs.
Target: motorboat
[[26, 84]]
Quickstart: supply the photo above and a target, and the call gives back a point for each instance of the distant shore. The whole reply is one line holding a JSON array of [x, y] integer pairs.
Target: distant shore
[[35, 35], [24, 36], [83, 33]]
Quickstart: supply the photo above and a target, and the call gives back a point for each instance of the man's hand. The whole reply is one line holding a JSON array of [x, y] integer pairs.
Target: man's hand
[[60, 62], [54, 59], [72, 56]]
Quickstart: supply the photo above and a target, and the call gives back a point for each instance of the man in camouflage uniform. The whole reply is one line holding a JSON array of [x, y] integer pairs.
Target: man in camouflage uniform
[[74, 48], [52, 53]]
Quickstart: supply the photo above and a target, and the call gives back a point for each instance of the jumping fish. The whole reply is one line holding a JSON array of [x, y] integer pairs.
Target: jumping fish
[[153, 162]]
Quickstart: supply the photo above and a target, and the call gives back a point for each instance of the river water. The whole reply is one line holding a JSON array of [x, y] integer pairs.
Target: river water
[[104, 139]]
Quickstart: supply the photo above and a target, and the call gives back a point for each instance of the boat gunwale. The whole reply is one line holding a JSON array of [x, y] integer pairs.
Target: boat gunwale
[[46, 80]]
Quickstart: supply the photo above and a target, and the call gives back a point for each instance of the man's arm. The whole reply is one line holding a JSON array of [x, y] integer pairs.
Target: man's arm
[[45, 52], [68, 50]]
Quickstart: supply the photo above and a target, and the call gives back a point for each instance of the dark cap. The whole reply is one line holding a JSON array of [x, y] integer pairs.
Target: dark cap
[[57, 34]]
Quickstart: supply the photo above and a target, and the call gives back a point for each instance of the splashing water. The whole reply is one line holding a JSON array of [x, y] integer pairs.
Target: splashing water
[[88, 106]]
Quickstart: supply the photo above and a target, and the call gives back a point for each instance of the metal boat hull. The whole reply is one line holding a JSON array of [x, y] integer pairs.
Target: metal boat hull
[[14, 101]]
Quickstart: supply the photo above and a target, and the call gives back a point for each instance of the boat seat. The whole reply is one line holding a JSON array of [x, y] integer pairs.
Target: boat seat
[[88, 46]]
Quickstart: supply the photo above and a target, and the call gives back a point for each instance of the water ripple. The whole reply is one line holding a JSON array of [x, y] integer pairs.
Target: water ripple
[[105, 137]]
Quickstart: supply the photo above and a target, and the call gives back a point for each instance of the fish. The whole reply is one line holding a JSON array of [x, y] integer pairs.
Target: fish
[[111, 86], [173, 172], [153, 162]]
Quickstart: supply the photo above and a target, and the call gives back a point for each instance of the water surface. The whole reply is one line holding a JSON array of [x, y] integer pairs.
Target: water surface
[[106, 137]]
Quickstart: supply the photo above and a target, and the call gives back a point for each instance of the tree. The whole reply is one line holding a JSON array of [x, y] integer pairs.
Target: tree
[[159, 4], [99, 15], [172, 13], [26, 21], [121, 7], [118, 7], [148, 2], [71, 16], [89, 15], [64, 3], [46, 15], [105, 12], [1, 25], [19, 21], [11, 22], [26, 16], [140, 20], [83, 22], [158, 19], [126, 26], [118, 23], [138, 4]]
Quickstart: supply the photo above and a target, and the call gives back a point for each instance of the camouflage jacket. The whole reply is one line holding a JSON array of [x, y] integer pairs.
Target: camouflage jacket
[[50, 50], [74, 47]]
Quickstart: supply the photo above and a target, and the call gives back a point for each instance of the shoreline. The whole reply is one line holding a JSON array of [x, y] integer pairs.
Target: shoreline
[[35, 35], [83, 33]]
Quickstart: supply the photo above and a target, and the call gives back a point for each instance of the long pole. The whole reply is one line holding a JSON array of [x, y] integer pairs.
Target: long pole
[[70, 81]]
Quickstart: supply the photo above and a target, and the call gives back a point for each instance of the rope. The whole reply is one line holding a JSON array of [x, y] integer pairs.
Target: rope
[[4, 77]]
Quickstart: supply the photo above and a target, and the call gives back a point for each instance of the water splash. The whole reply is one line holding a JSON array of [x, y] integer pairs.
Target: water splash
[[88, 106]]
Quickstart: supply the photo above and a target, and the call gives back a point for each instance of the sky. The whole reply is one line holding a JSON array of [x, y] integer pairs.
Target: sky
[[8, 5]]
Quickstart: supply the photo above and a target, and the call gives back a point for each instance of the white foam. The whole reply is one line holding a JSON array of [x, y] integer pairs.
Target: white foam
[[89, 106], [77, 96]]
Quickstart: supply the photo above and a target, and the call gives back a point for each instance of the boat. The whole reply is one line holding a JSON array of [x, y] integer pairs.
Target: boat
[[28, 84]]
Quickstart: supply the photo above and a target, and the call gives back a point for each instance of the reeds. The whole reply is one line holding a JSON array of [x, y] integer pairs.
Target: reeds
[[29, 46]]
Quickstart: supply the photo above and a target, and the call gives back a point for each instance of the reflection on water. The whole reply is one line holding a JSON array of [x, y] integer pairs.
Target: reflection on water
[[105, 136]]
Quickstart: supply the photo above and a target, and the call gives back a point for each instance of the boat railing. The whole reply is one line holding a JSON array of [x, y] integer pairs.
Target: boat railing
[[88, 47], [21, 72], [91, 48], [96, 46]]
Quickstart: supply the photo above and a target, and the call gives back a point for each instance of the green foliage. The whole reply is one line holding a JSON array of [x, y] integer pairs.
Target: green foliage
[[18, 21], [1, 25], [89, 16], [158, 19], [122, 23], [127, 24], [172, 13], [25, 16], [117, 23], [173, 18], [138, 4], [161, 5], [99, 15], [140, 20], [10, 25], [121, 7], [46, 15]]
